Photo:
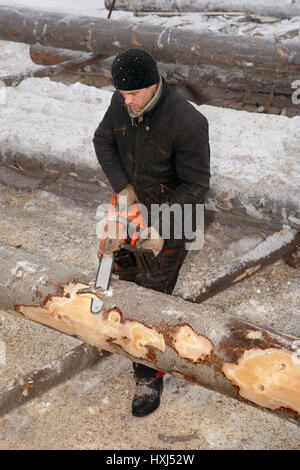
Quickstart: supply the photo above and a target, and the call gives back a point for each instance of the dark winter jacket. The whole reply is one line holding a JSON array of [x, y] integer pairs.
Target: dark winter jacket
[[166, 157]]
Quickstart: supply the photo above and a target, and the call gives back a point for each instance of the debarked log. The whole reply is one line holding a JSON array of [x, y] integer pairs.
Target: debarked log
[[284, 9], [193, 342], [197, 77], [170, 45]]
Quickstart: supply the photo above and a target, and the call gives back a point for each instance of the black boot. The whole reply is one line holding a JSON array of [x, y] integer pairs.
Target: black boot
[[149, 388]]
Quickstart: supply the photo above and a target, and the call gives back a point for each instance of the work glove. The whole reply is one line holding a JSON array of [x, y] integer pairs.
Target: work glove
[[150, 239], [126, 198], [113, 235]]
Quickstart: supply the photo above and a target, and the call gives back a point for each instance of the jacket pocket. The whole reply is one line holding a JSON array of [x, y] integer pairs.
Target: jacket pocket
[[120, 131], [158, 147], [120, 134]]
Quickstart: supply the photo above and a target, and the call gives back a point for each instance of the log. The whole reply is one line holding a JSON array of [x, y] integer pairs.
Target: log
[[170, 45], [19, 391], [231, 78], [43, 55], [52, 70], [274, 247], [168, 14], [259, 202], [285, 9], [192, 342], [196, 77]]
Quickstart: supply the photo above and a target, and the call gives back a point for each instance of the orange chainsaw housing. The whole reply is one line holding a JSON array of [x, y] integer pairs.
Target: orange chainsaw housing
[[133, 215]]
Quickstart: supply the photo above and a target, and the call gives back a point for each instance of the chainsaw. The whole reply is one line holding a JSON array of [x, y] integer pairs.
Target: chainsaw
[[142, 259]]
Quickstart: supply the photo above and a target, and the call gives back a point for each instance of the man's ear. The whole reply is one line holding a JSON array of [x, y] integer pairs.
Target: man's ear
[[154, 87]]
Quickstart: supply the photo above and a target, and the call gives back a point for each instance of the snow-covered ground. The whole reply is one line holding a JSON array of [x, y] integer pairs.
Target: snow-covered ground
[[252, 155], [92, 409], [239, 25]]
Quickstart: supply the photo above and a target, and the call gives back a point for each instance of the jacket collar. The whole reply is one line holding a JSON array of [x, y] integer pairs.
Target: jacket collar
[[138, 116]]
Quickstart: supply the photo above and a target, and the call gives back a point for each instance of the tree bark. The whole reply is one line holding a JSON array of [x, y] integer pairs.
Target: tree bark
[[286, 9], [43, 55], [52, 70], [17, 392], [197, 77], [170, 45], [192, 342]]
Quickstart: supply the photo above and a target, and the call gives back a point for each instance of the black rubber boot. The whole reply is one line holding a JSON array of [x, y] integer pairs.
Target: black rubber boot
[[149, 388]]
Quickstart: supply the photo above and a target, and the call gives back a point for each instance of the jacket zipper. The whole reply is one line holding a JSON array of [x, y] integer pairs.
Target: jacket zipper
[[137, 140]]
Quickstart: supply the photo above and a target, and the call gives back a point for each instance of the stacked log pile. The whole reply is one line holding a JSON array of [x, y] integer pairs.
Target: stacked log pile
[[199, 61], [193, 342], [286, 9]]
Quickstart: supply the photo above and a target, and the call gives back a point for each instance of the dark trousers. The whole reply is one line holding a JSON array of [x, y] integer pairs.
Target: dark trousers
[[170, 259]]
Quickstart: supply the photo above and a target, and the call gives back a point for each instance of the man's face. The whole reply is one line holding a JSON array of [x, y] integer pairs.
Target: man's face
[[138, 99]]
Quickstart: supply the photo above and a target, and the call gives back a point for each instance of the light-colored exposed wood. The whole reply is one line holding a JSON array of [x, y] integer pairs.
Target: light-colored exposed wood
[[195, 342]]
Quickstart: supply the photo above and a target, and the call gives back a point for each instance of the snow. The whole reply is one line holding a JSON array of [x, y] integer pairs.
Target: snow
[[172, 312], [14, 58], [241, 247], [252, 155], [259, 154], [272, 243], [261, 249], [24, 267], [52, 120]]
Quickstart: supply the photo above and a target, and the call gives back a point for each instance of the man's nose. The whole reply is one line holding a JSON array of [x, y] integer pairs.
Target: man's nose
[[128, 99]]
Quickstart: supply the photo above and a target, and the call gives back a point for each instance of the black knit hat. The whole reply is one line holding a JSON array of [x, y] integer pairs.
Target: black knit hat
[[134, 69]]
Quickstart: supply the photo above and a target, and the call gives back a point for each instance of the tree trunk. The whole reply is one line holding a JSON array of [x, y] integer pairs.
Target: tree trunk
[[170, 45], [197, 77], [286, 9], [189, 341]]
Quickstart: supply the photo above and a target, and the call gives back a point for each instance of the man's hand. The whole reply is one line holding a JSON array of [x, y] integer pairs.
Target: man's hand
[[126, 198], [150, 239], [112, 237]]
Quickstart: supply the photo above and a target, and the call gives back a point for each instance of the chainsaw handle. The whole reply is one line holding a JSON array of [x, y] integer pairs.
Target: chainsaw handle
[[132, 215], [134, 239]]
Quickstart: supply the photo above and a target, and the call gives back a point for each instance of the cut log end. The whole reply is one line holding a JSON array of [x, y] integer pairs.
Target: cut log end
[[269, 378]]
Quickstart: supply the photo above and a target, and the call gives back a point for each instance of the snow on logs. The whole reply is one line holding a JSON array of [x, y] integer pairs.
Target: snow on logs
[[254, 156], [194, 342], [282, 9], [171, 45], [273, 247]]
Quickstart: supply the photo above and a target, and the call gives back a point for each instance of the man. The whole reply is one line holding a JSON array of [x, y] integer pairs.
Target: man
[[153, 147]]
